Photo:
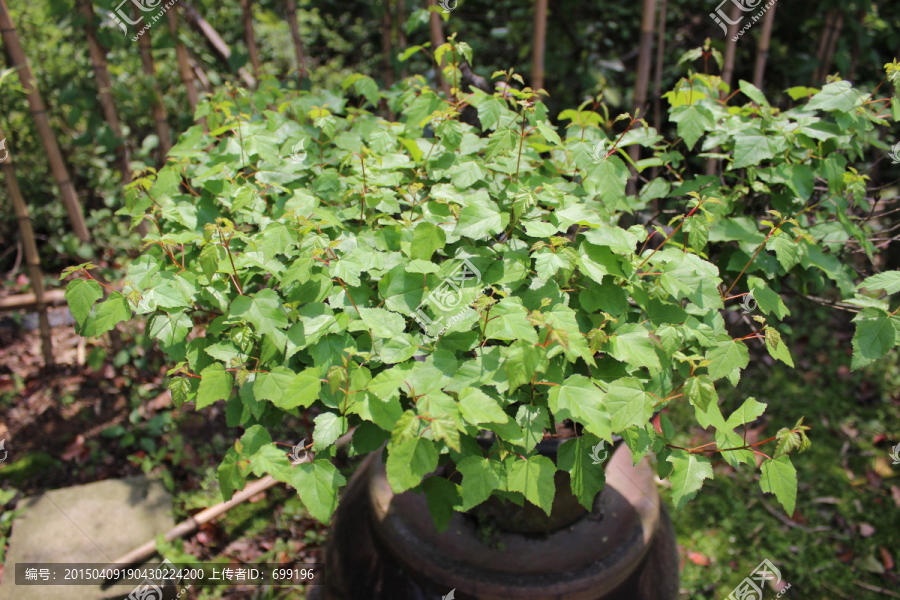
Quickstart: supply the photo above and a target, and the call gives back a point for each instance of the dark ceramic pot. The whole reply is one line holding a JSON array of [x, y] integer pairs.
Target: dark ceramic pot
[[384, 545]]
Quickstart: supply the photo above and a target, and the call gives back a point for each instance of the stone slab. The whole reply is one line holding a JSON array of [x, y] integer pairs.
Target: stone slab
[[92, 523]]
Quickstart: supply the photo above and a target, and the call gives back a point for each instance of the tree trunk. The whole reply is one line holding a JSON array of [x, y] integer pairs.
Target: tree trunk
[[387, 49], [215, 40], [762, 54], [539, 44], [657, 80], [104, 90], [184, 64], [730, 46], [250, 37], [401, 32], [712, 164], [299, 51], [823, 43], [837, 26], [42, 122], [437, 40], [32, 259], [156, 101], [642, 81]]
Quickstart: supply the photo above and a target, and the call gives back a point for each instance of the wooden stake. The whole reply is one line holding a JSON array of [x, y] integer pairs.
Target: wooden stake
[[250, 37], [539, 44], [104, 89], [299, 51], [42, 122], [215, 40], [184, 64], [437, 40], [163, 132], [762, 54], [32, 259]]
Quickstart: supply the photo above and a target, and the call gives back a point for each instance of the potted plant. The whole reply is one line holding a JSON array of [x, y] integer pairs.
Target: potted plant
[[455, 295]]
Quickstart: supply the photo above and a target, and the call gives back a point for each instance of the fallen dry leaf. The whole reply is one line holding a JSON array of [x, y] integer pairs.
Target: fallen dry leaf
[[886, 558], [866, 530]]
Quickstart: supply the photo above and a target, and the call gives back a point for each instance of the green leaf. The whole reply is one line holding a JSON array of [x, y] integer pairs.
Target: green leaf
[[318, 483], [427, 238], [749, 411], [180, 388], [752, 147], [628, 404], [230, 475], [501, 142], [688, 472], [302, 391], [441, 495], [777, 348], [109, 313], [838, 95], [579, 399], [215, 384], [255, 438], [780, 478], [875, 335], [478, 408], [533, 420], [753, 92], [81, 295], [329, 427], [263, 310], [478, 221], [383, 323], [481, 476], [888, 281], [700, 392], [272, 386], [409, 460], [693, 121], [534, 478], [726, 357], [585, 478]]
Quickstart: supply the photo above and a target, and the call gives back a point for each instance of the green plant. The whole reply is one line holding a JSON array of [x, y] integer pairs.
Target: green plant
[[314, 280]]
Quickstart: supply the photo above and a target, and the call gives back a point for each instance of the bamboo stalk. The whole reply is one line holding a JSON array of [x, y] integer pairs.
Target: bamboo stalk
[[42, 122], [437, 40], [184, 65], [215, 40], [104, 89], [730, 46], [29, 301], [163, 132], [32, 258], [250, 37], [642, 80], [837, 27], [540, 43], [660, 55], [762, 54], [387, 49], [191, 524], [299, 50]]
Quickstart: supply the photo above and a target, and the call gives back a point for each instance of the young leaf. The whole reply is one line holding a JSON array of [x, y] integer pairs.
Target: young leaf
[[534, 478], [780, 478], [409, 460], [215, 384], [81, 295], [688, 472]]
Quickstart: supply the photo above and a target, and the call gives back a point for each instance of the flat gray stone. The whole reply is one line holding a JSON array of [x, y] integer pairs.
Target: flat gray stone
[[92, 523]]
